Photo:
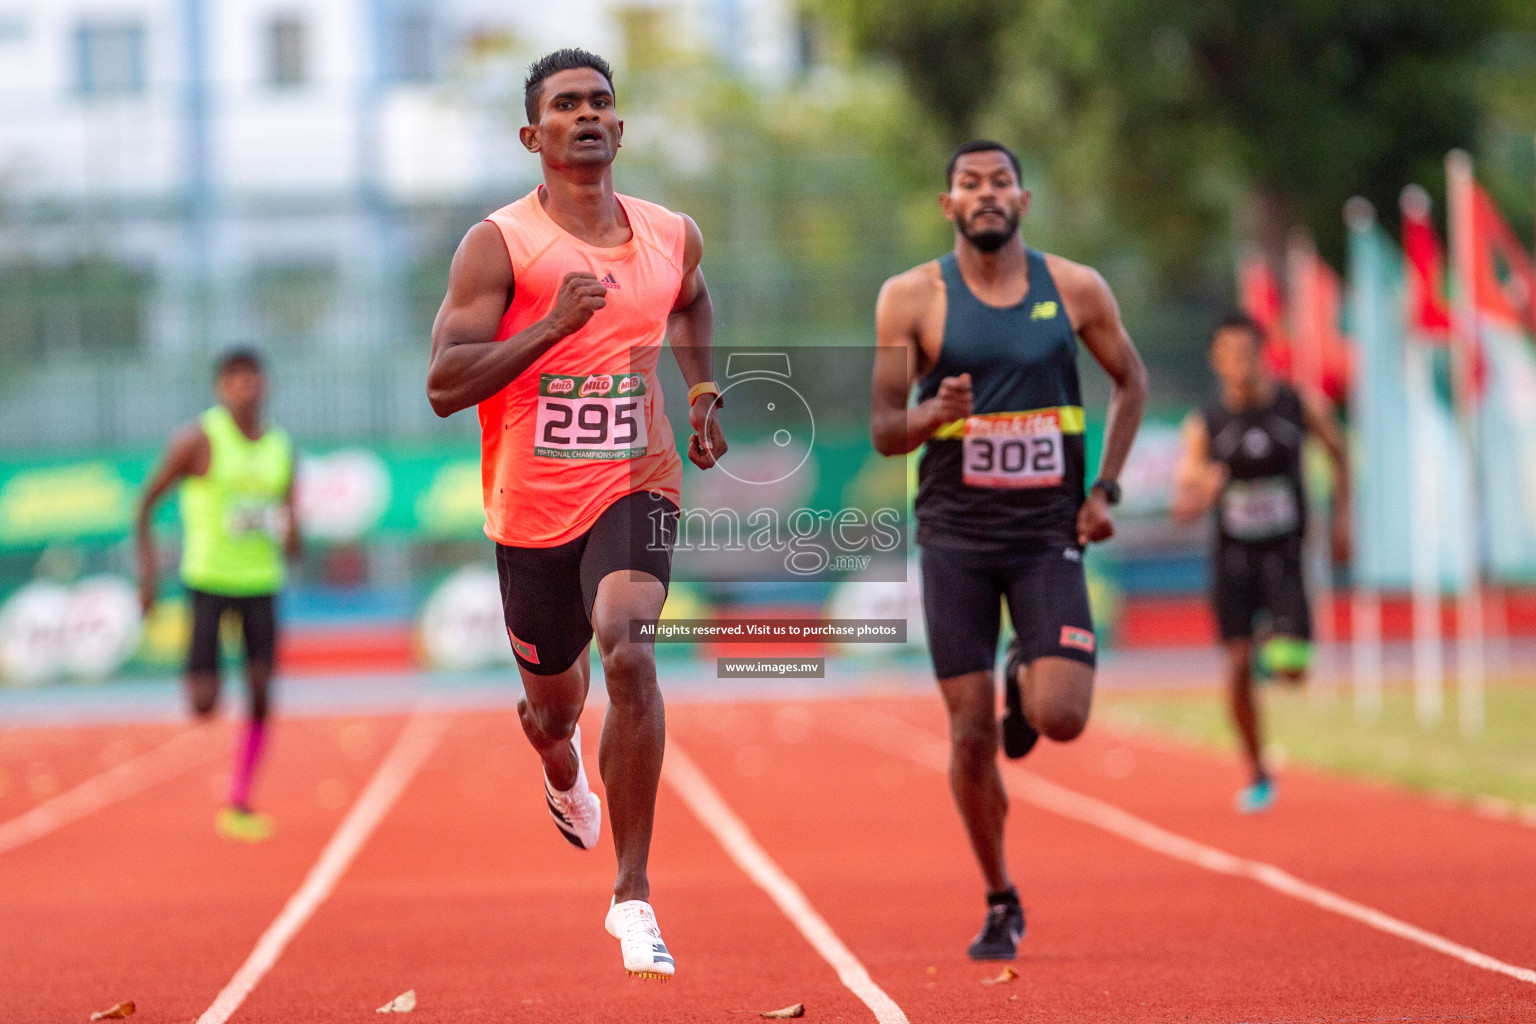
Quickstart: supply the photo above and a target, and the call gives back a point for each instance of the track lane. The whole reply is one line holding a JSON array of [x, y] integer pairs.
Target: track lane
[[37, 764], [468, 895], [1440, 867], [143, 901], [1117, 932]]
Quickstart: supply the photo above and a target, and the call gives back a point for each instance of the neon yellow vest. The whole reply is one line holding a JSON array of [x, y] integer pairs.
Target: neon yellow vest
[[230, 514]]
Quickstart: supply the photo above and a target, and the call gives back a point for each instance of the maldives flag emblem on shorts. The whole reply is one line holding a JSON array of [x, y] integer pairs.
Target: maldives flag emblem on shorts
[[1071, 636], [530, 653]]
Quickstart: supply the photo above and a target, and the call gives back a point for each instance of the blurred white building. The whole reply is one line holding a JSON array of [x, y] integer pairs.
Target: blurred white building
[[113, 100], [287, 141]]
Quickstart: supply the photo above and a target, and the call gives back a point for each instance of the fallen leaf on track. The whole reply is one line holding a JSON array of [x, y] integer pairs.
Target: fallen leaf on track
[[1002, 979], [798, 1010], [405, 1002], [117, 1012]]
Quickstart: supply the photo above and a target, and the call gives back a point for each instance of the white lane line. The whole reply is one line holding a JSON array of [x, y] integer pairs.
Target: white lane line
[[181, 753], [715, 815], [412, 748], [885, 732]]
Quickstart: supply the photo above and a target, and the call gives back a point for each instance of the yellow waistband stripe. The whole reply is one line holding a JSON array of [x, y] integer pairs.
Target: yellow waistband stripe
[[1072, 421]]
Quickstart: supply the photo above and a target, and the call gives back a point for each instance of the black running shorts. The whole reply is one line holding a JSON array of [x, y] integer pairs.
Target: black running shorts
[[1254, 578], [1047, 596], [547, 594], [258, 624]]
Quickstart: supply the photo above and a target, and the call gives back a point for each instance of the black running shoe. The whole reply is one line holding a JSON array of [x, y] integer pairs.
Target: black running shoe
[[999, 937], [1019, 737]]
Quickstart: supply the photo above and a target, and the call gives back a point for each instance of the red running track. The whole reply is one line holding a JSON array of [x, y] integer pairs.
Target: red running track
[[465, 892]]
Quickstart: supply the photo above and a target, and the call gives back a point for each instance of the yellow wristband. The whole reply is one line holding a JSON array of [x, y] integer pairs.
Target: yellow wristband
[[707, 387]]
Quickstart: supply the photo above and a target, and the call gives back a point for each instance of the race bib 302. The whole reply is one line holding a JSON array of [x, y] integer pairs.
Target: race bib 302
[[593, 416], [1014, 449]]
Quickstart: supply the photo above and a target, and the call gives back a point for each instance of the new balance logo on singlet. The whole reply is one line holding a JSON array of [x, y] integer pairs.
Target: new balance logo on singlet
[[609, 281], [1043, 311]]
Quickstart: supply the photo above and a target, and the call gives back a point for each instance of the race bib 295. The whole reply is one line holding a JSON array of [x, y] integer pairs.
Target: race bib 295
[[593, 416]]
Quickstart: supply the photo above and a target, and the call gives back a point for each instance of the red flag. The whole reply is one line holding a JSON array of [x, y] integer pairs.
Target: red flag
[[1494, 277], [1502, 296], [1259, 293], [1323, 356], [1429, 314]]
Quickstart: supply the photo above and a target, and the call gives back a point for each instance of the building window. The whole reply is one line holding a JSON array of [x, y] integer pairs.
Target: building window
[[109, 58], [287, 53], [414, 50]]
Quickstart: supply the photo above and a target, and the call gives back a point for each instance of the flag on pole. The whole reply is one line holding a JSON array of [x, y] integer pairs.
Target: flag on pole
[[1497, 380], [1429, 312], [1389, 405], [1322, 357], [1259, 292], [1382, 466], [1428, 323]]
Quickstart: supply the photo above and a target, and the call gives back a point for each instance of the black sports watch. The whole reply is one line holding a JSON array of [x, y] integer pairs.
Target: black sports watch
[[1110, 488]]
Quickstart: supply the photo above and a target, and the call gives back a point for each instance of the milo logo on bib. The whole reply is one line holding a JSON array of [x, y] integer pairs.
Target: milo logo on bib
[[593, 416]]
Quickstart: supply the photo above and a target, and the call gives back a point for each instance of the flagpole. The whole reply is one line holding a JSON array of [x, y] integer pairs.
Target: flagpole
[[1307, 371], [1365, 597], [1424, 529], [1470, 668]]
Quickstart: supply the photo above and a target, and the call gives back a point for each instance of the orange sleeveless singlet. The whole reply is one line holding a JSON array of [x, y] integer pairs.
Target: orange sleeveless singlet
[[584, 425]]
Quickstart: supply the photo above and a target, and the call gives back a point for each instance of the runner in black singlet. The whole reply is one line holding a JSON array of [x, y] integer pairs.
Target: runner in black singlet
[[989, 333], [1243, 457]]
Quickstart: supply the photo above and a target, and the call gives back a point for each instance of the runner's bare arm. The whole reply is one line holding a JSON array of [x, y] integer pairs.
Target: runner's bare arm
[[186, 455], [293, 542], [894, 428], [1198, 480], [1096, 319], [468, 364], [1322, 422], [691, 332]]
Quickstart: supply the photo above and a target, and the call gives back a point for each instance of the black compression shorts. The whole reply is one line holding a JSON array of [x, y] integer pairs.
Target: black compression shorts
[[258, 624], [1253, 578], [1047, 596], [547, 594]]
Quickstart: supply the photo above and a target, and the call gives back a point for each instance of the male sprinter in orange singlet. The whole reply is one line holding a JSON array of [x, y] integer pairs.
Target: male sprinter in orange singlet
[[989, 333], [557, 306]]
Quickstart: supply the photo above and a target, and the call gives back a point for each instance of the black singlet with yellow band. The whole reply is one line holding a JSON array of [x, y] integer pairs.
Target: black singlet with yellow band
[[1010, 477], [1265, 496]]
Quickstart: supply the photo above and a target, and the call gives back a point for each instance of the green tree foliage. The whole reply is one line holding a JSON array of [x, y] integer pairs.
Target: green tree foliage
[[1181, 123], [951, 51], [1308, 101]]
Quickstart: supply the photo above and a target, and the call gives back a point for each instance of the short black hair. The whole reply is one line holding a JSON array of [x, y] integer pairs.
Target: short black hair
[[568, 59], [242, 357], [981, 146], [1238, 320]]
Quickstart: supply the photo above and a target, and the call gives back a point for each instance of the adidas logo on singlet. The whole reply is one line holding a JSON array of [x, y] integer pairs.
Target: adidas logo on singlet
[[609, 281], [1043, 311]]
